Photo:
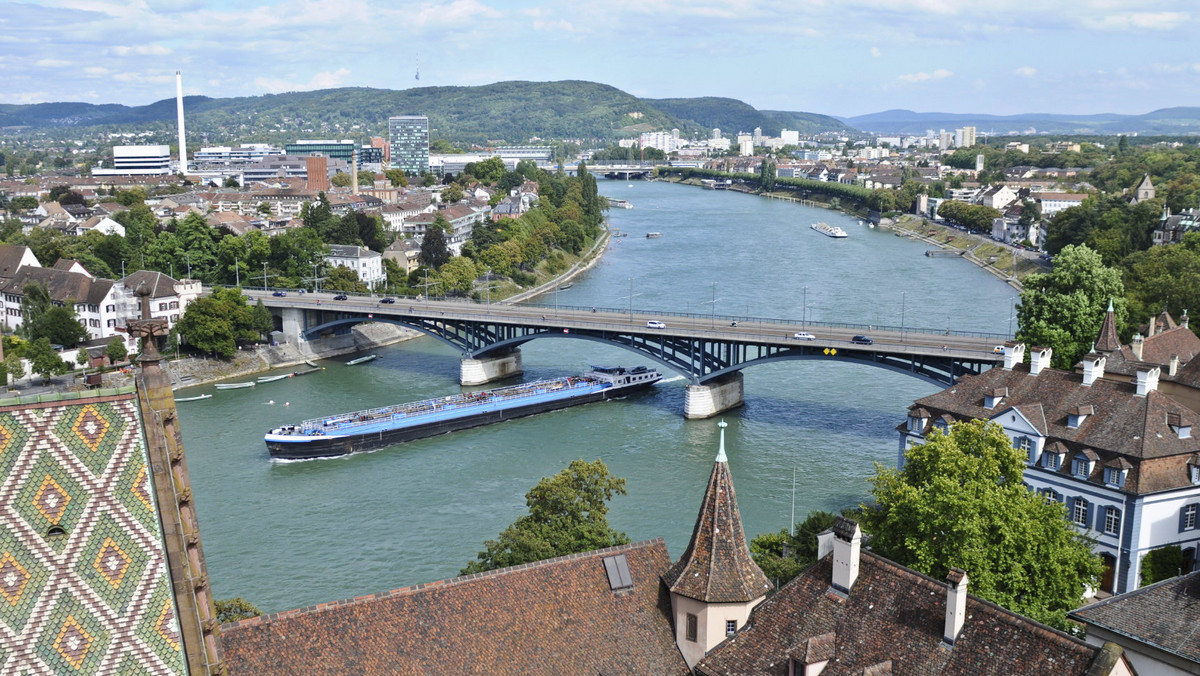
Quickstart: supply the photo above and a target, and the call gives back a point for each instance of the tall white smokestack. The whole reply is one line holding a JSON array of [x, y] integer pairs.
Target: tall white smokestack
[[179, 114]]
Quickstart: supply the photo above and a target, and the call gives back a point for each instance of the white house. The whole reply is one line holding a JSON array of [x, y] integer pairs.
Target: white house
[[367, 264]]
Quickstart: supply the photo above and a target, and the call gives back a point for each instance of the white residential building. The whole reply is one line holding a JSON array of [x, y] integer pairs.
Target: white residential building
[[138, 161], [367, 264]]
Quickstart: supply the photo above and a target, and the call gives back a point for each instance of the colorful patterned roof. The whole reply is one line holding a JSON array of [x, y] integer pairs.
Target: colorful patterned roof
[[84, 585]]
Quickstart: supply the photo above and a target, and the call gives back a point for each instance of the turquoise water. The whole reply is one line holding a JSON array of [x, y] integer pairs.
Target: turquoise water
[[291, 534]]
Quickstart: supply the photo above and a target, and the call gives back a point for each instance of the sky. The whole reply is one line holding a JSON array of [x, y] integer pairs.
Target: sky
[[834, 57]]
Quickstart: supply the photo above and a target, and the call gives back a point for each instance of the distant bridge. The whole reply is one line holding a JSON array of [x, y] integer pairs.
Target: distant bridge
[[708, 349]]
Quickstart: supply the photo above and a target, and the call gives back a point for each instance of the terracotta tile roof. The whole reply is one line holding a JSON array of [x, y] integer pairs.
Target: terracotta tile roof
[[555, 617], [1108, 341], [1122, 425], [717, 567], [10, 259], [1163, 615], [891, 615]]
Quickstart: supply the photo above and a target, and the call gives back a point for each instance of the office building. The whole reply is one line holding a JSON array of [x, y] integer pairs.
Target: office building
[[409, 140], [138, 161]]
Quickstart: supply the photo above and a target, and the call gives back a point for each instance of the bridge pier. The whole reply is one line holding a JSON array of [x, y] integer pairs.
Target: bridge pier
[[716, 396], [492, 367], [293, 324]]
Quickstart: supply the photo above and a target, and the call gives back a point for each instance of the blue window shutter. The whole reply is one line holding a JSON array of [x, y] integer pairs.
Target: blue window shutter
[[1182, 517], [1100, 514]]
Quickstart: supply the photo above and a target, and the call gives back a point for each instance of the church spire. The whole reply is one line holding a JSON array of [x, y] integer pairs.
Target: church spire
[[717, 567], [1108, 341]]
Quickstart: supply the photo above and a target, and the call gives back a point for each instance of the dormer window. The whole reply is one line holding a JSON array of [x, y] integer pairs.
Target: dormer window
[[1026, 446], [1076, 416], [1082, 465], [1052, 461], [995, 397], [1115, 477], [1181, 428]]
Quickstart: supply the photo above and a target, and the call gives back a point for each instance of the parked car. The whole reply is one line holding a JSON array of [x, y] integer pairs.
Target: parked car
[[862, 340], [280, 294], [388, 300], [341, 296], [999, 349], [803, 335], [655, 324]]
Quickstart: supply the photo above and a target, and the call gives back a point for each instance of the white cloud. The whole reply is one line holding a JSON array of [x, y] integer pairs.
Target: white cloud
[[322, 80], [139, 50], [1026, 71], [96, 71], [51, 63], [875, 52], [1156, 21], [939, 74]]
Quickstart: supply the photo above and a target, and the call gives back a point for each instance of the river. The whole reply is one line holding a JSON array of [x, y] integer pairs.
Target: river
[[291, 534]]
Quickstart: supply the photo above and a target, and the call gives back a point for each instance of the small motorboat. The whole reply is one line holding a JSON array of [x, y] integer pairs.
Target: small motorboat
[[196, 398], [362, 360], [233, 386]]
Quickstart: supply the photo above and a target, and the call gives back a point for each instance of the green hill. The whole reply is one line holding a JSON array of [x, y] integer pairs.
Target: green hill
[[514, 112]]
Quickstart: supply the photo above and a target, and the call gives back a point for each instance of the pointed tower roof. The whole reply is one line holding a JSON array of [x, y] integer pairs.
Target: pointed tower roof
[[1108, 341], [717, 567]]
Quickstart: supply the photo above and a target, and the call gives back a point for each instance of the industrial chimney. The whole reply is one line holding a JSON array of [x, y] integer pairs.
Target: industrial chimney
[[179, 114]]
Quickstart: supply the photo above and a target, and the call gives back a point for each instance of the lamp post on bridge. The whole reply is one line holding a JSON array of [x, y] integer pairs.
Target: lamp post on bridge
[[903, 297], [713, 324], [804, 310]]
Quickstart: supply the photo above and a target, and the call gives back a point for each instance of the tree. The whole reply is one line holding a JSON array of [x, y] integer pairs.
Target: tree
[[217, 323], [60, 326], [397, 177], [959, 502], [116, 351], [453, 193], [1162, 564], [434, 251], [23, 203], [82, 358], [1064, 308], [783, 556], [14, 368], [340, 180], [232, 610], [567, 515], [45, 361], [35, 302], [458, 275]]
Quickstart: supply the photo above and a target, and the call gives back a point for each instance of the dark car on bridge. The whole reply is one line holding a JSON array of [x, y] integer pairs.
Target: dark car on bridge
[[341, 296], [862, 340], [279, 294], [389, 301]]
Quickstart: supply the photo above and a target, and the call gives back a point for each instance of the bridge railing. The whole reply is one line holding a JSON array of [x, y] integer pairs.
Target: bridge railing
[[718, 320]]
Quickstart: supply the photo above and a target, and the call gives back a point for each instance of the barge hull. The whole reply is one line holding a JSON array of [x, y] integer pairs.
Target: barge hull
[[333, 446]]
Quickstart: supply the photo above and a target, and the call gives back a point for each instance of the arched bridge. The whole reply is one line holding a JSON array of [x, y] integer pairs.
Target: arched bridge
[[708, 349]]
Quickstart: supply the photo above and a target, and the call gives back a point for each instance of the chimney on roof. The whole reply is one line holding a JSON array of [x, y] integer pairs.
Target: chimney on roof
[[1147, 380], [1183, 321], [1039, 358], [956, 605], [1014, 353], [1093, 368], [847, 542], [1174, 367], [1137, 345]]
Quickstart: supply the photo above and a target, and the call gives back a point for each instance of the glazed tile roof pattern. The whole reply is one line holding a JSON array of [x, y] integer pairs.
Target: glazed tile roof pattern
[[1163, 615], [84, 586], [1122, 425], [553, 617], [892, 614], [717, 567]]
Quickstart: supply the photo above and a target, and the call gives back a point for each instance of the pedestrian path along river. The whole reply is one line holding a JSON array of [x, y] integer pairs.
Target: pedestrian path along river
[[291, 534]]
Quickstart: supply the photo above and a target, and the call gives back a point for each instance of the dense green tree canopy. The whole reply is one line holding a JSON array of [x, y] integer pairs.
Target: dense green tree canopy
[[44, 361], [1164, 278], [1064, 308], [216, 324], [784, 555], [959, 503], [567, 515]]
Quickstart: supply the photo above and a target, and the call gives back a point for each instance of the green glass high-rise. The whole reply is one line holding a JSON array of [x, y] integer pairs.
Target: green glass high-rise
[[408, 136]]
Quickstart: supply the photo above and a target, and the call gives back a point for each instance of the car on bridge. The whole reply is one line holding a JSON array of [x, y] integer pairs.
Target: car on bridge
[[999, 349], [655, 324], [803, 335], [341, 296], [279, 294], [389, 300], [862, 340]]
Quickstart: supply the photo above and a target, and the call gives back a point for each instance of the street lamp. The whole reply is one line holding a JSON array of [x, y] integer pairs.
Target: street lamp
[[1012, 313], [189, 259], [713, 320], [804, 310], [631, 299], [903, 297]]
